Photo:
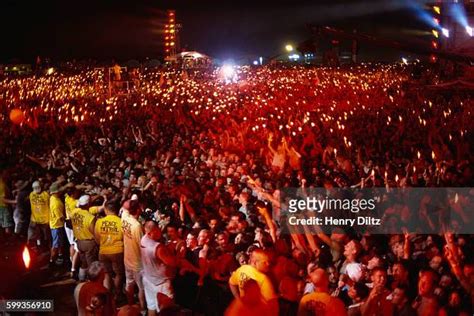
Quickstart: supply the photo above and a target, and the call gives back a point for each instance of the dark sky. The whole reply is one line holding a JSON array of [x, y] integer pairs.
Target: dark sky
[[224, 29]]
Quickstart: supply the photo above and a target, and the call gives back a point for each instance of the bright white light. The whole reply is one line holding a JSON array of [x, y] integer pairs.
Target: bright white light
[[469, 30], [50, 71], [228, 71], [255, 62], [294, 56], [260, 59], [229, 74], [405, 61], [445, 32]]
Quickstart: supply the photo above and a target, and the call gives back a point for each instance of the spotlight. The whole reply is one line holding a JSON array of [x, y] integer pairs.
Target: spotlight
[[228, 73], [255, 62], [469, 30], [228, 70], [445, 32], [405, 61], [437, 9], [435, 33]]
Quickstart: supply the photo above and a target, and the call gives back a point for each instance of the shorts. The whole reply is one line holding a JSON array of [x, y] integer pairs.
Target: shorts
[[57, 237], [70, 237], [87, 251], [152, 291], [134, 277], [6, 218], [38, 231], [113, 263]]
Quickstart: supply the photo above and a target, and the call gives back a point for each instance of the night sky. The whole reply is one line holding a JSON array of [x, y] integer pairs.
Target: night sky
[[223, 29]]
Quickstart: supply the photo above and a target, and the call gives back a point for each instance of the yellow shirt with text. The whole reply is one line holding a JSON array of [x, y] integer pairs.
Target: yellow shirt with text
[[81, 223], [39, 207], [108, 231]]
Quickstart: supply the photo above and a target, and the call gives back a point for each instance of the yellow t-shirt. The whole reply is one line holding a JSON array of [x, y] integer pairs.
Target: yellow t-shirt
[[81, 222], [94, 210], [3, 193], [320, 303], [39, 207], [246, 272], [70, 204], [109, 232], [56, 216]]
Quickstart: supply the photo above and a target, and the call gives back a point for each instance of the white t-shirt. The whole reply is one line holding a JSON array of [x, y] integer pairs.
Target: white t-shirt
[[132, 234]]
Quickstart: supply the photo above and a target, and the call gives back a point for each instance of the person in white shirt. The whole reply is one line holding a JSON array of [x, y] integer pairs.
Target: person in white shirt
[[158, 263], [132, 235]]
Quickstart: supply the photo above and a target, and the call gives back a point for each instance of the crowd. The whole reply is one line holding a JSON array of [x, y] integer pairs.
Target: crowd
[[172, 194]]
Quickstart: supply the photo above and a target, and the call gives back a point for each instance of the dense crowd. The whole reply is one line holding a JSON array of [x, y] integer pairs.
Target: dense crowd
[[172, 193]]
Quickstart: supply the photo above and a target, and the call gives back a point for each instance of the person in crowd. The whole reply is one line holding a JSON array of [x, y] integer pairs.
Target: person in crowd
[[109, 237], [70, 204], [91, 297], [251, 302], [56, 223], [6, 219], [132, 235], [39, 232], [377, 302], [358, 293], [426, 302], [83, 224], [401, 302], [259, 265], [320, 302], [158, 262]]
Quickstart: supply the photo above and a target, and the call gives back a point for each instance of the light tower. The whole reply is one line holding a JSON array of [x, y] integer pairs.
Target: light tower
[[436, 31], [170, 35]]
